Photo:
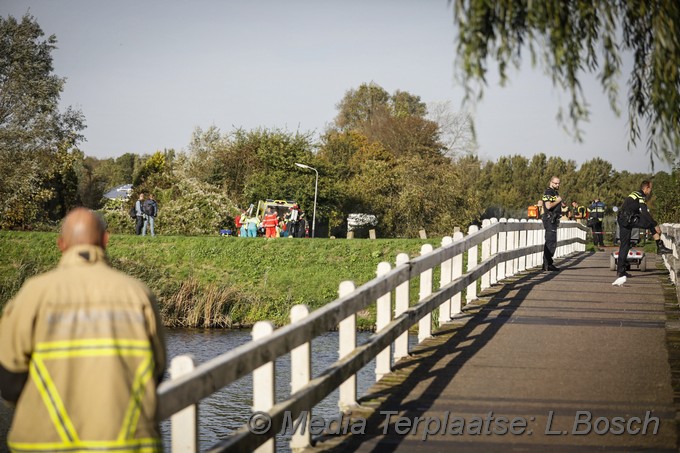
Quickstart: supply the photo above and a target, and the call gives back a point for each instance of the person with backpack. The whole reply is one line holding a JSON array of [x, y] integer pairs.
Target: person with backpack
[[139, 214], [150, 209]]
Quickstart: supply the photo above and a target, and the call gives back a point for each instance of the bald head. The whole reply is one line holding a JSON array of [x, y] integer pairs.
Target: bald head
[[82, 226]]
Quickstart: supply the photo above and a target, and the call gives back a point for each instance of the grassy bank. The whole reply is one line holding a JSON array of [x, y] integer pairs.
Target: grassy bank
[[220, 281]]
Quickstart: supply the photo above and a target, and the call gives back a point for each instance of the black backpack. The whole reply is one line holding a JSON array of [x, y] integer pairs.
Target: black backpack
[[133, 212], [148, 208]]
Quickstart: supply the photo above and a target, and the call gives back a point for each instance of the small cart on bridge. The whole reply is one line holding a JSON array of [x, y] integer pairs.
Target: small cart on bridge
[[636, 257]]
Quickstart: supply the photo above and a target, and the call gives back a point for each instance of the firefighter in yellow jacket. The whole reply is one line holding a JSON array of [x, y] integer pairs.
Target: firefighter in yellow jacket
[[81, 352]]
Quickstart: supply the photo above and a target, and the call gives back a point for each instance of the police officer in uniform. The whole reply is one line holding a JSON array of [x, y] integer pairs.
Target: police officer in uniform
[[578, 212], [634, 214], [595, 217], [552, 203]]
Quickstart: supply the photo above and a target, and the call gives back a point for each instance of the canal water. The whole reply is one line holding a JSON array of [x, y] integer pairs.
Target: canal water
[[227, 410]]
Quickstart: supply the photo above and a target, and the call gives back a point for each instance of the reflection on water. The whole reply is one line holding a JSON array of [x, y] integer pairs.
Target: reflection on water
[[227, 410]]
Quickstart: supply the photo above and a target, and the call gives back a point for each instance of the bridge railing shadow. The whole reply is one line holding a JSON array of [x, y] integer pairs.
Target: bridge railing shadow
[[467, 340], [498, 250]]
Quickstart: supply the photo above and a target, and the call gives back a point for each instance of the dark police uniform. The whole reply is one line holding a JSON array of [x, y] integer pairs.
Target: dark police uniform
[[595, 217], [551, 219], [633, 214]]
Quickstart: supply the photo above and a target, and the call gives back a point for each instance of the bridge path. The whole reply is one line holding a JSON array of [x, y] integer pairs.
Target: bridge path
[[545, 343]]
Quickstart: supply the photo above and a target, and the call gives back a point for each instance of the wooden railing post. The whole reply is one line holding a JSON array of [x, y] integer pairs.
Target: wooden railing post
[[347, 338], [510, 264], [401, 300], [456, 271], [184, 424], [425, 323], [559, 252], [502, 247], [300, 375], [445, 279], [383, 317], [535, 241], [515, 246], [540, 235], [582, 247], [523, 234], [263, 380], [471, 292], [493, 273], [486, 253]]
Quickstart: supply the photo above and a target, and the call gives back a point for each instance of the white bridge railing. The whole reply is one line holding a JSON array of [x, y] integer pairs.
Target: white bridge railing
[[670, 234], [498, 250]]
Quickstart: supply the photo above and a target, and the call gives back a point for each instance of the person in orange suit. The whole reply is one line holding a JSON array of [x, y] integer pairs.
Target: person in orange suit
[[270, 222]]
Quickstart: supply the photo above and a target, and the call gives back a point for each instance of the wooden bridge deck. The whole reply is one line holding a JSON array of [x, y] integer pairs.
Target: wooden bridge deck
[[546, 349]]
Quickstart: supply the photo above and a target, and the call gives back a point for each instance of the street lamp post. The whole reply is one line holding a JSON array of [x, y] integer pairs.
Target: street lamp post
[[316, 188]]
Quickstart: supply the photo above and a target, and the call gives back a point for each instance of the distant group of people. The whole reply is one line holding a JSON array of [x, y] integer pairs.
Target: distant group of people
[[633, 214], [292, 224], [146, 212]]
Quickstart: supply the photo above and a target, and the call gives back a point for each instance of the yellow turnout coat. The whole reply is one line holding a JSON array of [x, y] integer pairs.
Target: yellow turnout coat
[[91, 341]]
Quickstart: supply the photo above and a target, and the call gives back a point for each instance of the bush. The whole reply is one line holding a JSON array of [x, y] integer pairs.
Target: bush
[[194, 208], [189, 208]]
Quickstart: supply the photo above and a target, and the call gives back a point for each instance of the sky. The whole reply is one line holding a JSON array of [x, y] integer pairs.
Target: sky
[[147, 73]]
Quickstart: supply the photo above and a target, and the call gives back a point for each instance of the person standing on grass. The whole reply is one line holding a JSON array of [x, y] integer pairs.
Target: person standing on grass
[[139, 214], [270, 222], [150, 208], [252, 222]]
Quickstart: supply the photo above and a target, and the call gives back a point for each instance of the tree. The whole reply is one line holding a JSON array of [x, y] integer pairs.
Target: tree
[[359, 106], [92, 184], [398, 122], [202, 148], [153, 165], [407, 104], [592, 180], [575, 37], [667, 196], [37, 141], [456, 132]]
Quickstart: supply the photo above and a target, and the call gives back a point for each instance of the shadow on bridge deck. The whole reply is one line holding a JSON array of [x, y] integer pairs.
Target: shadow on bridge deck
[[547, 350]]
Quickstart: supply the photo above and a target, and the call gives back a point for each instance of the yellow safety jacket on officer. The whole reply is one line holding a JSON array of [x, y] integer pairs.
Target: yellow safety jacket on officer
[[90, 340]]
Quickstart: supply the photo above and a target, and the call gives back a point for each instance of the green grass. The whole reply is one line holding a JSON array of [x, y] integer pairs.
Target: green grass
[[221, 281]]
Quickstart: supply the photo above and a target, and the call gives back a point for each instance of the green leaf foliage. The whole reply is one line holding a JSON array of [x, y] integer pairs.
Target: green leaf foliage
[[38, 160], [572, 38], [189, 207]]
